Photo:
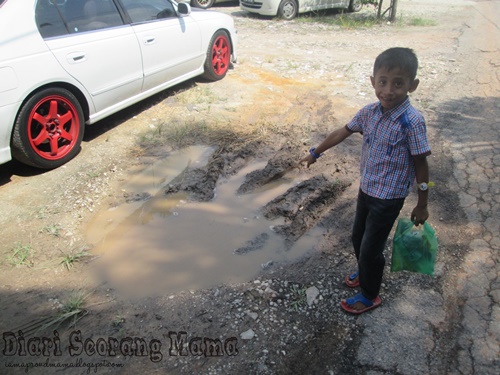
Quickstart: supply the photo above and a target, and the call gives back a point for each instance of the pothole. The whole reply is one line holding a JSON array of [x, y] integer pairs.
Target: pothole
[[156, 243]]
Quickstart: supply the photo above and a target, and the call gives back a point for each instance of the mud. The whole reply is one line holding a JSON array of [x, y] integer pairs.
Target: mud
[[310, 77]]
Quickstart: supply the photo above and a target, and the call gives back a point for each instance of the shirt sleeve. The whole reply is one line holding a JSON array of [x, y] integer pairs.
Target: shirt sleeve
[[359, 120], [417, 138]]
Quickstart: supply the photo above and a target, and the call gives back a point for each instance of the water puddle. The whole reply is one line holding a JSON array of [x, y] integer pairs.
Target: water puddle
[[166, 243]]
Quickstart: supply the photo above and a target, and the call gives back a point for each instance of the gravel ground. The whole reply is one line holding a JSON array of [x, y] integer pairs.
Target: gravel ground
[[305, 75]]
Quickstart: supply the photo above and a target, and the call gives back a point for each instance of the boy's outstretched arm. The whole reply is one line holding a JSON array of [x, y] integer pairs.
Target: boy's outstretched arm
[[333, 139], [420, 213]]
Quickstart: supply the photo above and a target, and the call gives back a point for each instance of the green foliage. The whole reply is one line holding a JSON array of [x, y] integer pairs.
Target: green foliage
[[118, 321], [418, 21], [20, 255], [342, 19], [69, 259], [298, 297], [72, 310], [53, 230]]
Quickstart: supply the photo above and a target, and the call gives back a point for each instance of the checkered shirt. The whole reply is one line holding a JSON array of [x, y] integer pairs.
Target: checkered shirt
[[390, 140]]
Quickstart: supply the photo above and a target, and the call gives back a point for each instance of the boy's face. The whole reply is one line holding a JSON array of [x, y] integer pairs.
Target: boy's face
[[392, 86]]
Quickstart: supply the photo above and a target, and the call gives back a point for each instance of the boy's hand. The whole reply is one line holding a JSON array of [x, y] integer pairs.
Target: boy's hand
[[309, 159], [419, 215]]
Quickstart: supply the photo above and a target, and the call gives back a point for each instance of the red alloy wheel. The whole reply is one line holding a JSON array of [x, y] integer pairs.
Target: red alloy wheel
[[218, 57], [221, 55], [53, 127], [49, 129]]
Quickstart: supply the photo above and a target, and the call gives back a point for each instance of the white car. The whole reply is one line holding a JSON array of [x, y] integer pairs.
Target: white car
[[288, 9], [205, 4], [65, 64]]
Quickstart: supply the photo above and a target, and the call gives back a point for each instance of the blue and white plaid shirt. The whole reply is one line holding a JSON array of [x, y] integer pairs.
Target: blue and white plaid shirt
[[390, 140]]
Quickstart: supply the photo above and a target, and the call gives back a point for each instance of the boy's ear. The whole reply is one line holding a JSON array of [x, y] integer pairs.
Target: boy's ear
[[372, 78], [414, 85]]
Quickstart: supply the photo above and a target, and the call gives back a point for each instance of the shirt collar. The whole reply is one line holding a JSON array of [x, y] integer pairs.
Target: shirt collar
[[396, 112]]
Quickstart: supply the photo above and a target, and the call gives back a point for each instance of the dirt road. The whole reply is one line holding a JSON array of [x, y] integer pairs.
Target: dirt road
[[294, 82]]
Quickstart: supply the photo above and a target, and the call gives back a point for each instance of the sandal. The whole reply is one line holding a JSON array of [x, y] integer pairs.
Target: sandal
[[369, 304], [352, 280]]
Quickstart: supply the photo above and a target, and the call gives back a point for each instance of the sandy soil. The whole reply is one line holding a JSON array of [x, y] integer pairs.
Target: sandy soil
[[309, 76]]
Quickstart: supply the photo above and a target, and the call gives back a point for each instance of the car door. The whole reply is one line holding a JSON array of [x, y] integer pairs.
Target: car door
[[171, 45], [328, 4], [96, 48]]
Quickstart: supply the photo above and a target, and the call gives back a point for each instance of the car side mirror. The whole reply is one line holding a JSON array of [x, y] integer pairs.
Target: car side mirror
[[184, 9]]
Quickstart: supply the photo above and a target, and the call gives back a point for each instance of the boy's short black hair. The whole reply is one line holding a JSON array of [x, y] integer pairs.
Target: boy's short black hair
[[397, 57]]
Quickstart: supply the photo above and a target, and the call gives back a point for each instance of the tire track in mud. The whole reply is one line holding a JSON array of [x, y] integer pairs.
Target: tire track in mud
[[303, 206]]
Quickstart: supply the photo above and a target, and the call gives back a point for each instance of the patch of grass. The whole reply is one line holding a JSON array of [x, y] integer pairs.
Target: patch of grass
[[361, 20], [200, 95], [418, 21], [72, 310], [118, 321], [21, 255], [342, 20], [179, 132], [69, 259], [356, 21], [93, 174], [53, 230], [74, 303], [41, 212], [293, 65], [298, 297], [221, 132]]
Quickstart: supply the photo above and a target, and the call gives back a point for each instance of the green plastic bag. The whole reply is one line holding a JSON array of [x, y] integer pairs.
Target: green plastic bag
[[414, 248]]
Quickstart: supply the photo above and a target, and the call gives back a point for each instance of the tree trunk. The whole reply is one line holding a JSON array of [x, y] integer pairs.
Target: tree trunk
[[394, 7]]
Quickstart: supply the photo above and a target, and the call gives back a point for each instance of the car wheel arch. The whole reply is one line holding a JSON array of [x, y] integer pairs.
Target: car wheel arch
[[80, 96]]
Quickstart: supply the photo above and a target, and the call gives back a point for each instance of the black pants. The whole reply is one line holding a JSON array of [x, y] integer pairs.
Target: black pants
[[372, 224]]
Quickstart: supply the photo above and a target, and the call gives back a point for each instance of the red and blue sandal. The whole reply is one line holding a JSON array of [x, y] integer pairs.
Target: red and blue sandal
[[352, 280], [348, 304]]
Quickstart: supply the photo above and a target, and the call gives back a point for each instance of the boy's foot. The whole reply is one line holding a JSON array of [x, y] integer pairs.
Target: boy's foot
[[352, 280], [359, 304]]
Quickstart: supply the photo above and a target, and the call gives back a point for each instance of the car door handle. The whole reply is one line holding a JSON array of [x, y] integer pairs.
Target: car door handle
[[76, 57], [149, 40]]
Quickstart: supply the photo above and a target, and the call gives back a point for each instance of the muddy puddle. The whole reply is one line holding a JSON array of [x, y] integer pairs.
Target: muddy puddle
[[157, 244]]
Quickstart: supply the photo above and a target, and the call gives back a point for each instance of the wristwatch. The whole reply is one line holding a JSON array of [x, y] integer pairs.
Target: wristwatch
[[423, 186]]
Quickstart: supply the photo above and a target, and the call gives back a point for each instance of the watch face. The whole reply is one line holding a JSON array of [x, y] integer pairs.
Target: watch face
[[423, 186]]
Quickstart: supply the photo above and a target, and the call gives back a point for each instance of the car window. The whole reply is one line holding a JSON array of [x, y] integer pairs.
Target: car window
[[60, 17], [149, 10]]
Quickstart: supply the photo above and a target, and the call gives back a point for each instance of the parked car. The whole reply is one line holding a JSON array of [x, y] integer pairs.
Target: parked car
[[205, 4], [288, 9], [65, 64]]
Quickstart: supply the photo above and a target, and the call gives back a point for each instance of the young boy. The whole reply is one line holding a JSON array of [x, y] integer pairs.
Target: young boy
[[393, 156]]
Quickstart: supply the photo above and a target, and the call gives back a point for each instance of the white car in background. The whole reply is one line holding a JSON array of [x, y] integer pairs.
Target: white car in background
[[205, 4], [65, 64], [288, 9]]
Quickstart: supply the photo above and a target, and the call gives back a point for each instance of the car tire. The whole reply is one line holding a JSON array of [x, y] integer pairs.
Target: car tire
[[288, 9], [49, 129], [203, 4], [355, 5], [218, 57]]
